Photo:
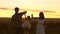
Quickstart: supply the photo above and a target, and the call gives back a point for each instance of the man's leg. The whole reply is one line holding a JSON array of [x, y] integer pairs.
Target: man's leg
[[16, 30], [21, 30]]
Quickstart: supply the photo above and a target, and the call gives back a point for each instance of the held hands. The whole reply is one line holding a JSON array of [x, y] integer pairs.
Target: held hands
[[25, 11]]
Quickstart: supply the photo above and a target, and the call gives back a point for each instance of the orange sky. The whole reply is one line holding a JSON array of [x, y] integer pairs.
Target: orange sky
[[51, 8]]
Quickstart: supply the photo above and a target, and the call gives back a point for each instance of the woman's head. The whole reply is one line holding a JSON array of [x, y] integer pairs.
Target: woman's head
[[41, 15]]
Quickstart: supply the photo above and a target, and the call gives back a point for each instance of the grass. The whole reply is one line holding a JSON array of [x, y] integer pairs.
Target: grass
[[52, 27]]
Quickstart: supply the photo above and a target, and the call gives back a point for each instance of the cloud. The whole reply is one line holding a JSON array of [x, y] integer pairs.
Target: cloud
[[6, 9], [53, 14], [46, 11]]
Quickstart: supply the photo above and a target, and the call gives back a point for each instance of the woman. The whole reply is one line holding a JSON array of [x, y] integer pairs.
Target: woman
[[26, 25], [40, 24]]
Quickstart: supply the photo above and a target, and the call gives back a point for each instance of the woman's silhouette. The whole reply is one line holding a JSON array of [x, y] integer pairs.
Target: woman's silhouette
[[40, 24]]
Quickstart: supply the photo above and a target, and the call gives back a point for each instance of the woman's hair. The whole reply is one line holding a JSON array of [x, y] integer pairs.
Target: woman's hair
[[41, 15]]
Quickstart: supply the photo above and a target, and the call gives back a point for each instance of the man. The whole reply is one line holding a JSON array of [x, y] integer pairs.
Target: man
[[17, 21]]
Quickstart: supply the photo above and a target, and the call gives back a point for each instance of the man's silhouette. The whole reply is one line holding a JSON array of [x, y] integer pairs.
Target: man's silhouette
[[17, 21]]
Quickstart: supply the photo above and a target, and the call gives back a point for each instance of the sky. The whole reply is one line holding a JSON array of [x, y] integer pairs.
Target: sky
[[51, 8]]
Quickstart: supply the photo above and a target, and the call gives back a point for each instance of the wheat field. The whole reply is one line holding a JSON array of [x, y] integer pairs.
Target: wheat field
[[52, 26]]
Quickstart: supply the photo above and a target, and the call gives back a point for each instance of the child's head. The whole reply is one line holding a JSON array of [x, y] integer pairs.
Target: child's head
[[28, 17]]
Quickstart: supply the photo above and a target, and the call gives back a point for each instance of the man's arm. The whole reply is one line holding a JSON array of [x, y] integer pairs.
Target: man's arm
[[12, 20], [23, 12]]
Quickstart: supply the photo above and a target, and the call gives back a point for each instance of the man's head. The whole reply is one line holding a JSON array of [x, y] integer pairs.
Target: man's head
[[16, 9]]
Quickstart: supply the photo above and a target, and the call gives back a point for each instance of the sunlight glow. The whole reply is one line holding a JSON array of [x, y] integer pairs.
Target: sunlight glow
[[53, 5]]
